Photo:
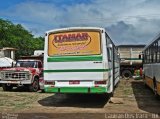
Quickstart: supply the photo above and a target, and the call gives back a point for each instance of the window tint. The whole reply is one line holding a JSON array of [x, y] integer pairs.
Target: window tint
[[152, 53]]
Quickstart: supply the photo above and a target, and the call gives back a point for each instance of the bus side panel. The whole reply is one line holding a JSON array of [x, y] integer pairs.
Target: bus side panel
[[148, 75], [156, 75], [158, 88], [156, 71]]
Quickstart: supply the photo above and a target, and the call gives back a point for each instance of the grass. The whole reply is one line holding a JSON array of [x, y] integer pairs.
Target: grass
[[13, 101], [124, 88]]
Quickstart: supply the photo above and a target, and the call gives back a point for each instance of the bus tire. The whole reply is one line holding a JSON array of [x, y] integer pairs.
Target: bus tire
[[7, 87], [155, 89], [34, 87], [156, 94], [126, 74]]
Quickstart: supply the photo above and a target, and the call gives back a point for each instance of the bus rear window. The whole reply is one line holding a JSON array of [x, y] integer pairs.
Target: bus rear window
[[74, 43]]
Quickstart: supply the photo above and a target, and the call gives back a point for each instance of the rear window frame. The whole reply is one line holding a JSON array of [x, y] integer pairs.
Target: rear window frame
[[76, 30]]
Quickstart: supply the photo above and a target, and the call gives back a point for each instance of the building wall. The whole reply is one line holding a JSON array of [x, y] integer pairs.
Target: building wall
[[130, 55], [8, 52]]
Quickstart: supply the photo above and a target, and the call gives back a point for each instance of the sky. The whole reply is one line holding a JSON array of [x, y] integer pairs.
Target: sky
[[126, 21]]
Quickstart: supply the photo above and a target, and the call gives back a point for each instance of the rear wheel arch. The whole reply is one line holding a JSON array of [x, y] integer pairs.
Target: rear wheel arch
[[154, 82], [35, 77], [155, 88], [34, 86]]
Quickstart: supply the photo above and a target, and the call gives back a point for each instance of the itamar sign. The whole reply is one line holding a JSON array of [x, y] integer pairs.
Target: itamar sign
[[74, 43]]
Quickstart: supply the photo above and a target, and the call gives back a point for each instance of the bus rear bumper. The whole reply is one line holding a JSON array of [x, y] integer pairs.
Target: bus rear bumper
[[75, 89]]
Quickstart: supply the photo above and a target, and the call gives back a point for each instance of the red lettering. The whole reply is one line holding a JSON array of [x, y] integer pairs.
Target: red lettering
[[78, 36], [71, 37]]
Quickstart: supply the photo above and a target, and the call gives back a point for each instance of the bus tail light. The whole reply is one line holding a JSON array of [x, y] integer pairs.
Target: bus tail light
[[49, 83], [74, 82], [100, 82]]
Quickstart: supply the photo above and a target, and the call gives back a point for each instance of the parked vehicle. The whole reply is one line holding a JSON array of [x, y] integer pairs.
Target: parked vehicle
[[130, 63], [80, 60], [27, 72], [151, 65], [5, 62]]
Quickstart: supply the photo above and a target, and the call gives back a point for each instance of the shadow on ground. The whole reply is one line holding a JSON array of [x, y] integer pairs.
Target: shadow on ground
[[19, 89], [75, 100], [145, 98]]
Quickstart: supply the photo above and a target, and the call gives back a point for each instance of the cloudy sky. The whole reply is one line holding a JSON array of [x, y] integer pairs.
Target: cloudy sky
[[127, 21]]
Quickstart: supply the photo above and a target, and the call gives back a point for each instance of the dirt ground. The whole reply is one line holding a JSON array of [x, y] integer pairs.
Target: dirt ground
[[131, 100]]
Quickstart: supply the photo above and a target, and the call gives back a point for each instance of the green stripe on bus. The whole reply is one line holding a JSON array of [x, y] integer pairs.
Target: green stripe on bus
[[75, 90], [74, 58], [77, 70]]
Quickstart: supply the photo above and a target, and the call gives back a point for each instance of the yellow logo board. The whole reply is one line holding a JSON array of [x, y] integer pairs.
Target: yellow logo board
[[74, 43]]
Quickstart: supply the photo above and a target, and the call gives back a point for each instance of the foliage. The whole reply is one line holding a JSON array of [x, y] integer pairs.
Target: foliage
[[16, 36]]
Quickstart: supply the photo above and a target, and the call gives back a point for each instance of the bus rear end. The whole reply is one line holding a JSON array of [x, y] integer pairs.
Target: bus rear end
[[73, 62]]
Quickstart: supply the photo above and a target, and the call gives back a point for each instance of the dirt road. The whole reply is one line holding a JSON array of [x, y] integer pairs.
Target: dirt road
[[130, 97]]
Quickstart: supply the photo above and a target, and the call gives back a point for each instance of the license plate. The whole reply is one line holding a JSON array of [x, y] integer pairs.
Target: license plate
[[74, 82]]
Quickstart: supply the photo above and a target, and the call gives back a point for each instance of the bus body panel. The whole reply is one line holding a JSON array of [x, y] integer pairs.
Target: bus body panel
[[75, 65], [98, 76], [80, 74], [151, 71], [151, 65]]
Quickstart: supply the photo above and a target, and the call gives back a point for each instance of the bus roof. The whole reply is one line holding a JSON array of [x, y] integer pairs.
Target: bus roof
[[151, 42], [75, 28]]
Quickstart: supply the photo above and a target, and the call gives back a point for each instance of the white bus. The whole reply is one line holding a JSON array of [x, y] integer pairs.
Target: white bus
[[80, 60], [151, 65]]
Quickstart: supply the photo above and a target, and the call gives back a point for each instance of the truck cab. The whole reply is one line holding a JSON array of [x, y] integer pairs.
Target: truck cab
[[26, 72]]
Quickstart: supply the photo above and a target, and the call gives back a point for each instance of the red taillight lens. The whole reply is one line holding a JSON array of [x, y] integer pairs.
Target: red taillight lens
[[74, 82], [100, 82], [49, 83]]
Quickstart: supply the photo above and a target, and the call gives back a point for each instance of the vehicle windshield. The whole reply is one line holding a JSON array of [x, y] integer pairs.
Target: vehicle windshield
[[26, 64]]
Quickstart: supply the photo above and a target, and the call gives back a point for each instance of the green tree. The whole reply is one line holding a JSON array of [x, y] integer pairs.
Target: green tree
[[15, 35]]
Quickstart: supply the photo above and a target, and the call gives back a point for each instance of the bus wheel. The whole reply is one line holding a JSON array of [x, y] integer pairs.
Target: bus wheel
[[7, 87], [155, 91], [126, 74], [34, 87]]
